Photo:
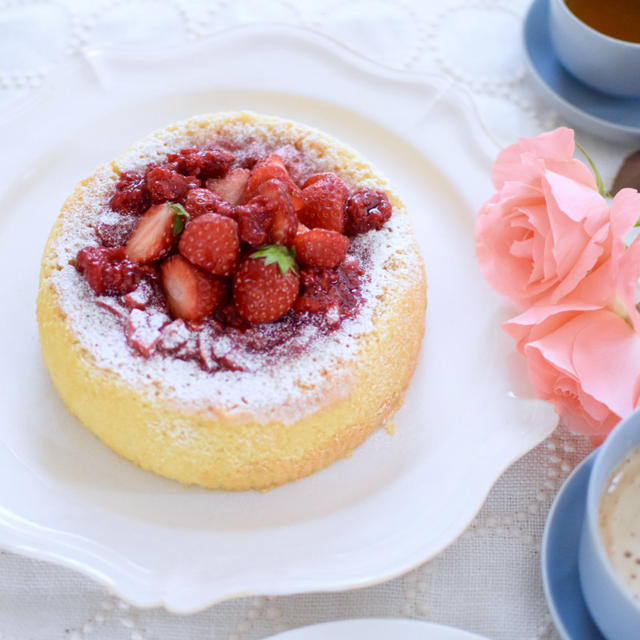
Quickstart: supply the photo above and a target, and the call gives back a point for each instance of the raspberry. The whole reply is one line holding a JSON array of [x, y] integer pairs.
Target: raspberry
[[131, 195], [335, 290], [108, 271], [200, 201], [367, 209], [165, 184], [114, 229], [254, 220], [212, 162]]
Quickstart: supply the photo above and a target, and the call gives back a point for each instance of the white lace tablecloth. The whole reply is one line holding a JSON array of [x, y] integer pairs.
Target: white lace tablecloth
[[489, 580]]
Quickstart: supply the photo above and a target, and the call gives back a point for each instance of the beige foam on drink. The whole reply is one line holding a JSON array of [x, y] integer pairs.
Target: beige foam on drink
[[619, 516]]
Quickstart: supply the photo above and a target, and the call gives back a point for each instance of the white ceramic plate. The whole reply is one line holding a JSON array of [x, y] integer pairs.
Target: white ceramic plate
[[399, 500], [377, 629]]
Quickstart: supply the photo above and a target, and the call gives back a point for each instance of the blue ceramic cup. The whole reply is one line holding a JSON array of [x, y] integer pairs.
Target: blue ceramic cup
[[604, 63], [610, 601]]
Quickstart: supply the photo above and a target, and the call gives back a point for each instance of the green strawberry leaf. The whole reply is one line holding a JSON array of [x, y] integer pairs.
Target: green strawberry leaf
[[180, 216], [279, 254]]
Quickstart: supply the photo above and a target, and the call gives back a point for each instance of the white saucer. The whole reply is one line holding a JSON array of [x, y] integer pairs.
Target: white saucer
[[397, 501], [377, 629], [616, 119]]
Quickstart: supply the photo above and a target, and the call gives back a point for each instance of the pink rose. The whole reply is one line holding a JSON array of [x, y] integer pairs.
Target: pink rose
[[611, 286], [548, 241], [546, 227], [614, 283], [583, 354], [588, 367]]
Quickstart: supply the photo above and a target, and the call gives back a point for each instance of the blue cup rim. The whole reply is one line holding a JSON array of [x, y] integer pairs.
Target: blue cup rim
[[600, 474], [572, 16]]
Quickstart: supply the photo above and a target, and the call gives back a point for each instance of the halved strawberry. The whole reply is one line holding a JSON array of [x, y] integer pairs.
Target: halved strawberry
[[191, 292], [266, 284], [321, 248], [272, 168], [211, 241], [284, 225], [155, 232], [232, 186], [325, 197]]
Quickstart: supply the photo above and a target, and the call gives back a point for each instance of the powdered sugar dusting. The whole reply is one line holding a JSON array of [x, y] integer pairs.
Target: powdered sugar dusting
[[285, 382]]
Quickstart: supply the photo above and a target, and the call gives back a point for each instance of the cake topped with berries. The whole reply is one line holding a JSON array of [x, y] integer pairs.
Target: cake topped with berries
[[228, 267]]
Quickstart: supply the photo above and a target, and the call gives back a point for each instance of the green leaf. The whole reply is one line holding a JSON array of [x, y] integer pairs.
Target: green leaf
[[279, 254], [180, 216], [596, 173]]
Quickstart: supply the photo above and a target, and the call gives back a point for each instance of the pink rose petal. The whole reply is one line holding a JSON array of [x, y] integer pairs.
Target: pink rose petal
[[589, 368], [545, 229], [526, 160], [539, 321]]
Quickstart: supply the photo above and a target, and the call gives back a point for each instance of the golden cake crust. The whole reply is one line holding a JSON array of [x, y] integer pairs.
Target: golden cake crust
[[205, 442]]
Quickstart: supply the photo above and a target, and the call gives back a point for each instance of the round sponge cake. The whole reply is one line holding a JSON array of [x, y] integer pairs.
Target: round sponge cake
[[281, 417]]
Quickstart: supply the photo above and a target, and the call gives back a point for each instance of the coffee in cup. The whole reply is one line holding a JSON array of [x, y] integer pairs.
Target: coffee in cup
[[580, 35], [611, 593], [619, 520], [618, 19]]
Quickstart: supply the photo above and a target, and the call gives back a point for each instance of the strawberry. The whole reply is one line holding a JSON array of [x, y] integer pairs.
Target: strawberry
[[191, 292], [231, 187], [272, 168], [325, 196], [266, 284], [155, 232], [284, 225], [211, 241], [321, 248]]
